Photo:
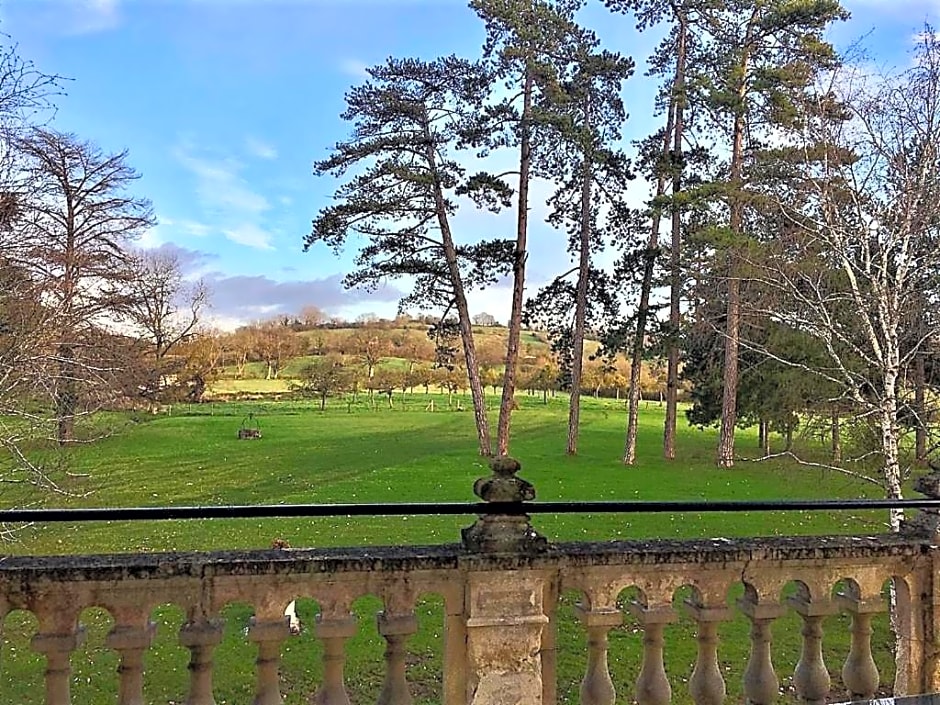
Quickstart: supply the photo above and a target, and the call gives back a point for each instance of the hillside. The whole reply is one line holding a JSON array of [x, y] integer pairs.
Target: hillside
[[385, 355]]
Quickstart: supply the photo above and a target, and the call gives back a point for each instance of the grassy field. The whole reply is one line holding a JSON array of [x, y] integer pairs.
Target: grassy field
[[404, 454]]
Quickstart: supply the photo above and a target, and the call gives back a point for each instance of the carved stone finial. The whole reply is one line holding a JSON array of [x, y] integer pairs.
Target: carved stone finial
[[503, 485], [503, 532], [926, 522]]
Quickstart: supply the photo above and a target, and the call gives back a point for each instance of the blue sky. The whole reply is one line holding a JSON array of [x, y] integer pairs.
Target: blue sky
[[224, 105]]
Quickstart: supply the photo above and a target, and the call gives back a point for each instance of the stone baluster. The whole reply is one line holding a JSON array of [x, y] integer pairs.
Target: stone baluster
[[811, 677], [396, 628], [597, 688], [131, 636], [201, 637], [859, 673], [57, 644], [334, 629], [707, 685], [268, 633], [761, 685], [652, 685]]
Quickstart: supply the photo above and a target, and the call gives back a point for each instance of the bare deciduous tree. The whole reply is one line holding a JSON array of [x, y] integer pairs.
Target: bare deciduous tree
[[74, 230], [165, 308], [860, 264]]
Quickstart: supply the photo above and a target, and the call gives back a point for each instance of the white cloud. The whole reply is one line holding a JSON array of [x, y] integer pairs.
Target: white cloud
[[219, 185], [195, 228], [259, 148], [90, 16], [250, 235], [227, 201]]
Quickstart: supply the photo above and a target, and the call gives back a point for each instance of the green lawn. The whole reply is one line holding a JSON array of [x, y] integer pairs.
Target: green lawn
[[357, 454]]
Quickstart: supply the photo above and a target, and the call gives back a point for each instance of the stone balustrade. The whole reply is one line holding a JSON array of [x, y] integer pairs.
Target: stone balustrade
[[500, 611]]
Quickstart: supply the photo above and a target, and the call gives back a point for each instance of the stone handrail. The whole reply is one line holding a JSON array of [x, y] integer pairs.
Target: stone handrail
[[500, 590]]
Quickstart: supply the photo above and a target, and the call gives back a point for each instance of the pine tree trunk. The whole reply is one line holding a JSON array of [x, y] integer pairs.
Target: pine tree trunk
[[519, 258], [649, 263], [675, 280], [729, 399], [580, 304], [463, 313]]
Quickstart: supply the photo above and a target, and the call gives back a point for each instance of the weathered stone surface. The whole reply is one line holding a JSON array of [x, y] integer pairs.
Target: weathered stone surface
[[497, 606], [506, 529]]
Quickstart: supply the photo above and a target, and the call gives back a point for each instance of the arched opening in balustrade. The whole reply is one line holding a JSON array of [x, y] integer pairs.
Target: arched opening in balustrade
[[166, 678], [233, 673], [425, 650], [641, 613], [681, 646], [570, 646], [94, 663], [21, 668], [302, 653], [364, 663]]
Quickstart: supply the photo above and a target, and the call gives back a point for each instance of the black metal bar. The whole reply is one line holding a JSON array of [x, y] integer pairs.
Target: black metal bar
[[450, 509]]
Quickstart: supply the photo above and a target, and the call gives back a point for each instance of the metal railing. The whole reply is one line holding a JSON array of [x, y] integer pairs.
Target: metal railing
[[450, 509]]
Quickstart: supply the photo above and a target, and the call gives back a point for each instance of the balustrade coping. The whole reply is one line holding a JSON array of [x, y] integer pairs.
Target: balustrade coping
[[195, 564]]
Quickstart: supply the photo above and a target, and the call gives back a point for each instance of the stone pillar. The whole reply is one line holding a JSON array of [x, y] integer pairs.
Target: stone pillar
[[652, 684], [597, 688], [268, 634], [396, 629], [859, 673], [504, 629], [549, 651], [811, 677], [917, 602], [761, 685], [201, 638], [334, 631], [131, 641], [707, 685], [455, 646], [503, 608]]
